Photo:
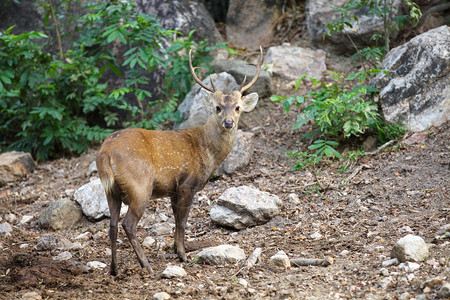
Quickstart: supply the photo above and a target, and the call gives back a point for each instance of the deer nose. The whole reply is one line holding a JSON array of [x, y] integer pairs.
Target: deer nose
[[228, 124]]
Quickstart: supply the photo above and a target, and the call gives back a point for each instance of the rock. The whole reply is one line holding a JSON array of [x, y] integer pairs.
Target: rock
[[14, 166], [292, 62], [194, 110], [173, 271], [53, 241], [432, 283], [239, 69], [249, 23], [61, 214], [280, 260], [384, 272], [315, 236], [390, 262], [26, 219], [410, 248], [66, 255], [321, 12], [416, 89], [239, 156], [409, 267], [84, 236], [160, 229], [223, 254], [92, 169], [183, 16], [241, 207], [444, 291], [405, 229], [161, 296], [92, 199], [5, 228], [96, 265], [31, 296], [416, 138], [370, 143], [243, 282], [11, 218], [148, 242]]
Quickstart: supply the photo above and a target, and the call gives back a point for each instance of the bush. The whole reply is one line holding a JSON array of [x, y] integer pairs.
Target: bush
[[51, 107]]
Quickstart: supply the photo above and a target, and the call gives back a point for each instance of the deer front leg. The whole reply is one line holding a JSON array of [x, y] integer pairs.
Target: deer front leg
[[181, 205]]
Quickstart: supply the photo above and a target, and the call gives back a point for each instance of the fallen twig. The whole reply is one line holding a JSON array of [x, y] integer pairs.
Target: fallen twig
[[300, 262]]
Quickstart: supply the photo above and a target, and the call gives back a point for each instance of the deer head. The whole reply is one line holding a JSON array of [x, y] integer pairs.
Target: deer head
[[228, 108]]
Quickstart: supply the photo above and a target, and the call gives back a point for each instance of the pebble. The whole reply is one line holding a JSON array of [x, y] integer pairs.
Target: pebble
[[432, 283], [384, 272], [243, 282], [280, 260], [409, 267], [96, 265], [31, 296], [148, 242], [173, 271], [6, 228], [316, 236], [410, 248], [11, 218], [161, 296], [84, 236], [344, 252], [405, 229], [390, 262], [66, 255], [26, 219]]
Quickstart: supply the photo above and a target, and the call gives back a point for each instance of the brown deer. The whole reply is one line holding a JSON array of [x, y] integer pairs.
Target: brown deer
[[136, 165]]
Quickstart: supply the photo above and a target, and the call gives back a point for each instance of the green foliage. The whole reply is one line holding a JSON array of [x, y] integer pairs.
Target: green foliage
[[381, 9], [50, 107]]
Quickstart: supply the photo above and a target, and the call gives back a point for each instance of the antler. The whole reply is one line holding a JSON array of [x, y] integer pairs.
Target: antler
[[258, 70], [192, 69]]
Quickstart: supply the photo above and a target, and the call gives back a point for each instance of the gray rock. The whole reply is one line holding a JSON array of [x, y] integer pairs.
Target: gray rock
[[66, 255], [321, 12], [5, 228], [241, 207], [148, 242], [96, 265], [194, 110], [292, 62], [410, 248], [173, 271], [249, 23], [61, 214], [53, 241], [161, 296], [240, 154], [31, 296], [92, 169], [223, 254], [240, 69], [444, 291], [280, 259], [92, 199], [416, 90], [14, 166], [159, 229], [390, 262]]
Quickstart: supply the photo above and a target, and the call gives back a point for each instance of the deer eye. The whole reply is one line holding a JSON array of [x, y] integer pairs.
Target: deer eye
[[218, 109], [238, 108]]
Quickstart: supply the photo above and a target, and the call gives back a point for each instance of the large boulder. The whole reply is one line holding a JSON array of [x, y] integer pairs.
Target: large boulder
[[183, 16], [249, 23], [292, 62], [321, 12], [416, 89]]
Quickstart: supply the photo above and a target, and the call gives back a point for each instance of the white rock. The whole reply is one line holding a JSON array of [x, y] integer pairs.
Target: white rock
[[405, 229], [26, 219], [315, 236], [410, 248], [24, 246], [384, 272], [5, 228], [84, 236], [148, 242], [221, 255], [241, 207], [161, 296], [96, 265], [11, 218], [409, 267], [390, 262], [280, 259], [344, 252], [66, 255], [173, 271], [243, 282]]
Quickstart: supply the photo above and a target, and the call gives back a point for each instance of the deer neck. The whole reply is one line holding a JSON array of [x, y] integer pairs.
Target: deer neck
[[218, 140]]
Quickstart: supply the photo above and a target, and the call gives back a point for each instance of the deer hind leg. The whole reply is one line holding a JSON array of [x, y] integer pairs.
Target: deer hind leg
[[135, 211], [181, 205], [114, 204]]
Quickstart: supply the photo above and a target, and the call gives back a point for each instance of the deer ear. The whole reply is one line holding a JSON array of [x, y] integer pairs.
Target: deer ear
[[249, 102]]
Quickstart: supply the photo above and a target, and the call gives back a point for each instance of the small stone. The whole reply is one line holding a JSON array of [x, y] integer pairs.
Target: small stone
[[344, 252], [173, 271], [53, 241], [24, 246], [221, 255], [385, 282], [66, 255], [293, 199], [444, 291], [31, 296], [280, 260], [26, 219], [11, 218], [96, 265], [148, 242], [390, 262], [5, 228], [243, 282], [432, 283], [84, 236], [405, 229], [316, 236], [161, 296], [404, 296], [384, 272], [408, 266], [410, 248]]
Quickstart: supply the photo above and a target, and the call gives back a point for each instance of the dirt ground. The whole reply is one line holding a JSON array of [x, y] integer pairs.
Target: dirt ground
[[362, 210]]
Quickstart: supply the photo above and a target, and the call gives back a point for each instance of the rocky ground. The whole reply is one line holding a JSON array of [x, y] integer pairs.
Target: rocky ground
[[361, 212]]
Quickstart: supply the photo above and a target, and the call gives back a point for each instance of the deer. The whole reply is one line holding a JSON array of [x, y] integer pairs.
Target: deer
[[136, 165]]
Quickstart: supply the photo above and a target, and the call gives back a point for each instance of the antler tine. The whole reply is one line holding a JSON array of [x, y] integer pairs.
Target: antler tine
[[243, 82], [212, 83], [192, 69], [258, 70]]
